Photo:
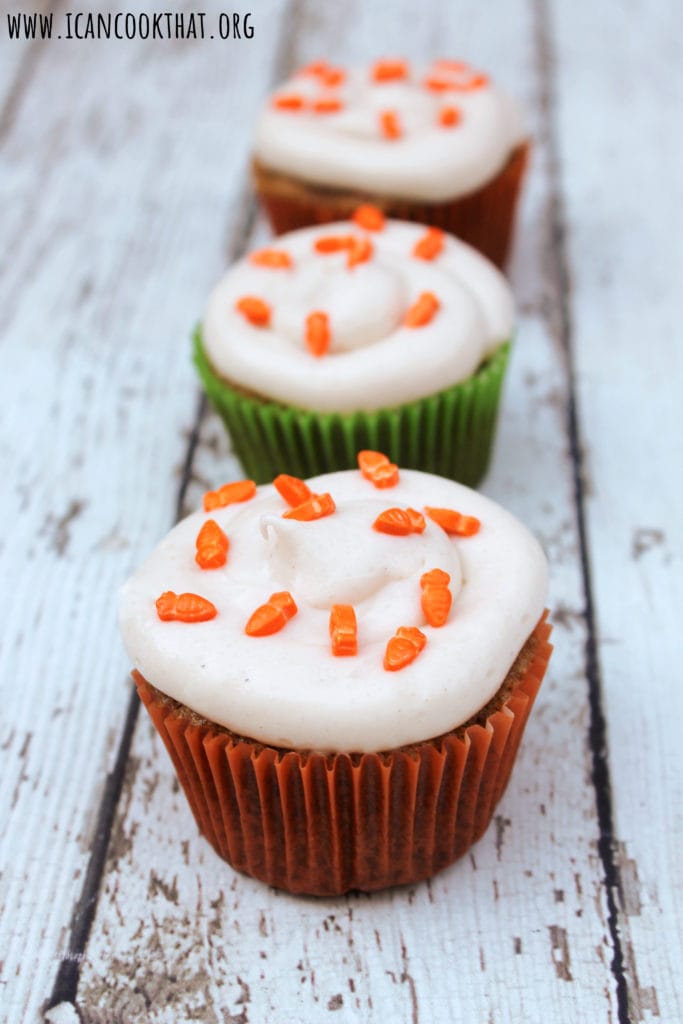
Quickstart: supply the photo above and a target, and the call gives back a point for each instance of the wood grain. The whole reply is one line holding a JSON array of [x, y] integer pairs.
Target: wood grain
[[123, 193]]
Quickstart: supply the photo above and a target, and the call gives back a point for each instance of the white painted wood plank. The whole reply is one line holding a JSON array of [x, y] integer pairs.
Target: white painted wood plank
[[121, 177], [517, 931], [622, 172]]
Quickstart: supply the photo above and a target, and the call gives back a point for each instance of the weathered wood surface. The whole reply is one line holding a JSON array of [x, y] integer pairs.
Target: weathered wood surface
[[125, 170]]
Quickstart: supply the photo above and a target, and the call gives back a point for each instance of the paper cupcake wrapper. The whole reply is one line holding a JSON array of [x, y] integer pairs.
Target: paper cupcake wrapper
[[450, 433], [326, 824], [483, 218]]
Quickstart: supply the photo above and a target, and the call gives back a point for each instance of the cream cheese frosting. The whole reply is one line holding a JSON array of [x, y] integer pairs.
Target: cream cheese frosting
[[374, 360], [287, 689], [450, 130]]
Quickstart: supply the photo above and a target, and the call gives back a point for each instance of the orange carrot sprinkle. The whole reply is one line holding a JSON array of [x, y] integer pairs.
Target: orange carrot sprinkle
[[369, 217], [390, 125], [318, 333], [327, 106], [436, 596], [332, 77], [389, 70], [457, 66], [229, 494], [275, 258], [359, 252], [385, 476], [454, 522], [435, 578], [288, 101], [430, 245], [292, 489], [404, 647], [172, 607], [450, 116], [436, 84], [343, 630], [316, 67], [399, 522], [422, 311], [472, 84], [253, 309], [368, 462], [316, 507], [333, 243], [272, 616], [377, 468], [212, 546]]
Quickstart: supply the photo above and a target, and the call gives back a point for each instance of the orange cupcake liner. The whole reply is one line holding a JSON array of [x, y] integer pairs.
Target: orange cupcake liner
[[483, 218], [324, 824]]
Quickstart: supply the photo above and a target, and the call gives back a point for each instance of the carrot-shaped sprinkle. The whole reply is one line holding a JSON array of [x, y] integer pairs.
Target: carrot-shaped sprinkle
[[316, 67], [430, 245], [333, 243], [272, 616], [318, 333], [399, 522], [385, 476], [457, 66], [422, 311], [172, 607], [369, 217], [229, 494], [476, 81], [437, 84], [316, 507], [450, 116], [359, 252], [288, 101], [332, 77], [454, 522], [253, 309], [329, 105], [436, 596], [292, 489], [212, 546], [390, 125], [404, 647], [343, 630], [377, 468], [276, 259], [389, 70]]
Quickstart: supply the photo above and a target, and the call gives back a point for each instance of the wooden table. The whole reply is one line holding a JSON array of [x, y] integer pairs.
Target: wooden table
[[124, 194]]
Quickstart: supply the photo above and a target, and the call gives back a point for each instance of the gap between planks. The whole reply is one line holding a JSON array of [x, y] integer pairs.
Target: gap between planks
[[597, 731]]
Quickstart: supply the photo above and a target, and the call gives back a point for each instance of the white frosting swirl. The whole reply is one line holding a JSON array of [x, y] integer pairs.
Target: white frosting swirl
[[347, 150], [374, 360], [288, 689]]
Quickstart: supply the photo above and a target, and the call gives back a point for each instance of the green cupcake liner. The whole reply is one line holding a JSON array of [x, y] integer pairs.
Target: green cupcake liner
[[450, 433]]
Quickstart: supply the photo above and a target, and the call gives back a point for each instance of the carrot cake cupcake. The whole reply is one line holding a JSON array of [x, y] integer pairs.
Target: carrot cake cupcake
[[341, 670], [441, 145], [367, 333]]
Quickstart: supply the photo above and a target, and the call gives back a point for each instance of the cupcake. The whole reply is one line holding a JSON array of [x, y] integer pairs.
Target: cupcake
[[366, 333], [341, 670], [441, 145]]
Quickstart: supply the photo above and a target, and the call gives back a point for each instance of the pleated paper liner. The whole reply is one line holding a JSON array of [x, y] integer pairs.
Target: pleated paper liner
[[325, 824], [483, 218], [450, 433]]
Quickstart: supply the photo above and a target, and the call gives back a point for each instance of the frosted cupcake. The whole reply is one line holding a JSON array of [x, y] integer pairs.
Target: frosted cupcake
[[441, 145], [366, 333], [341, 670]]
